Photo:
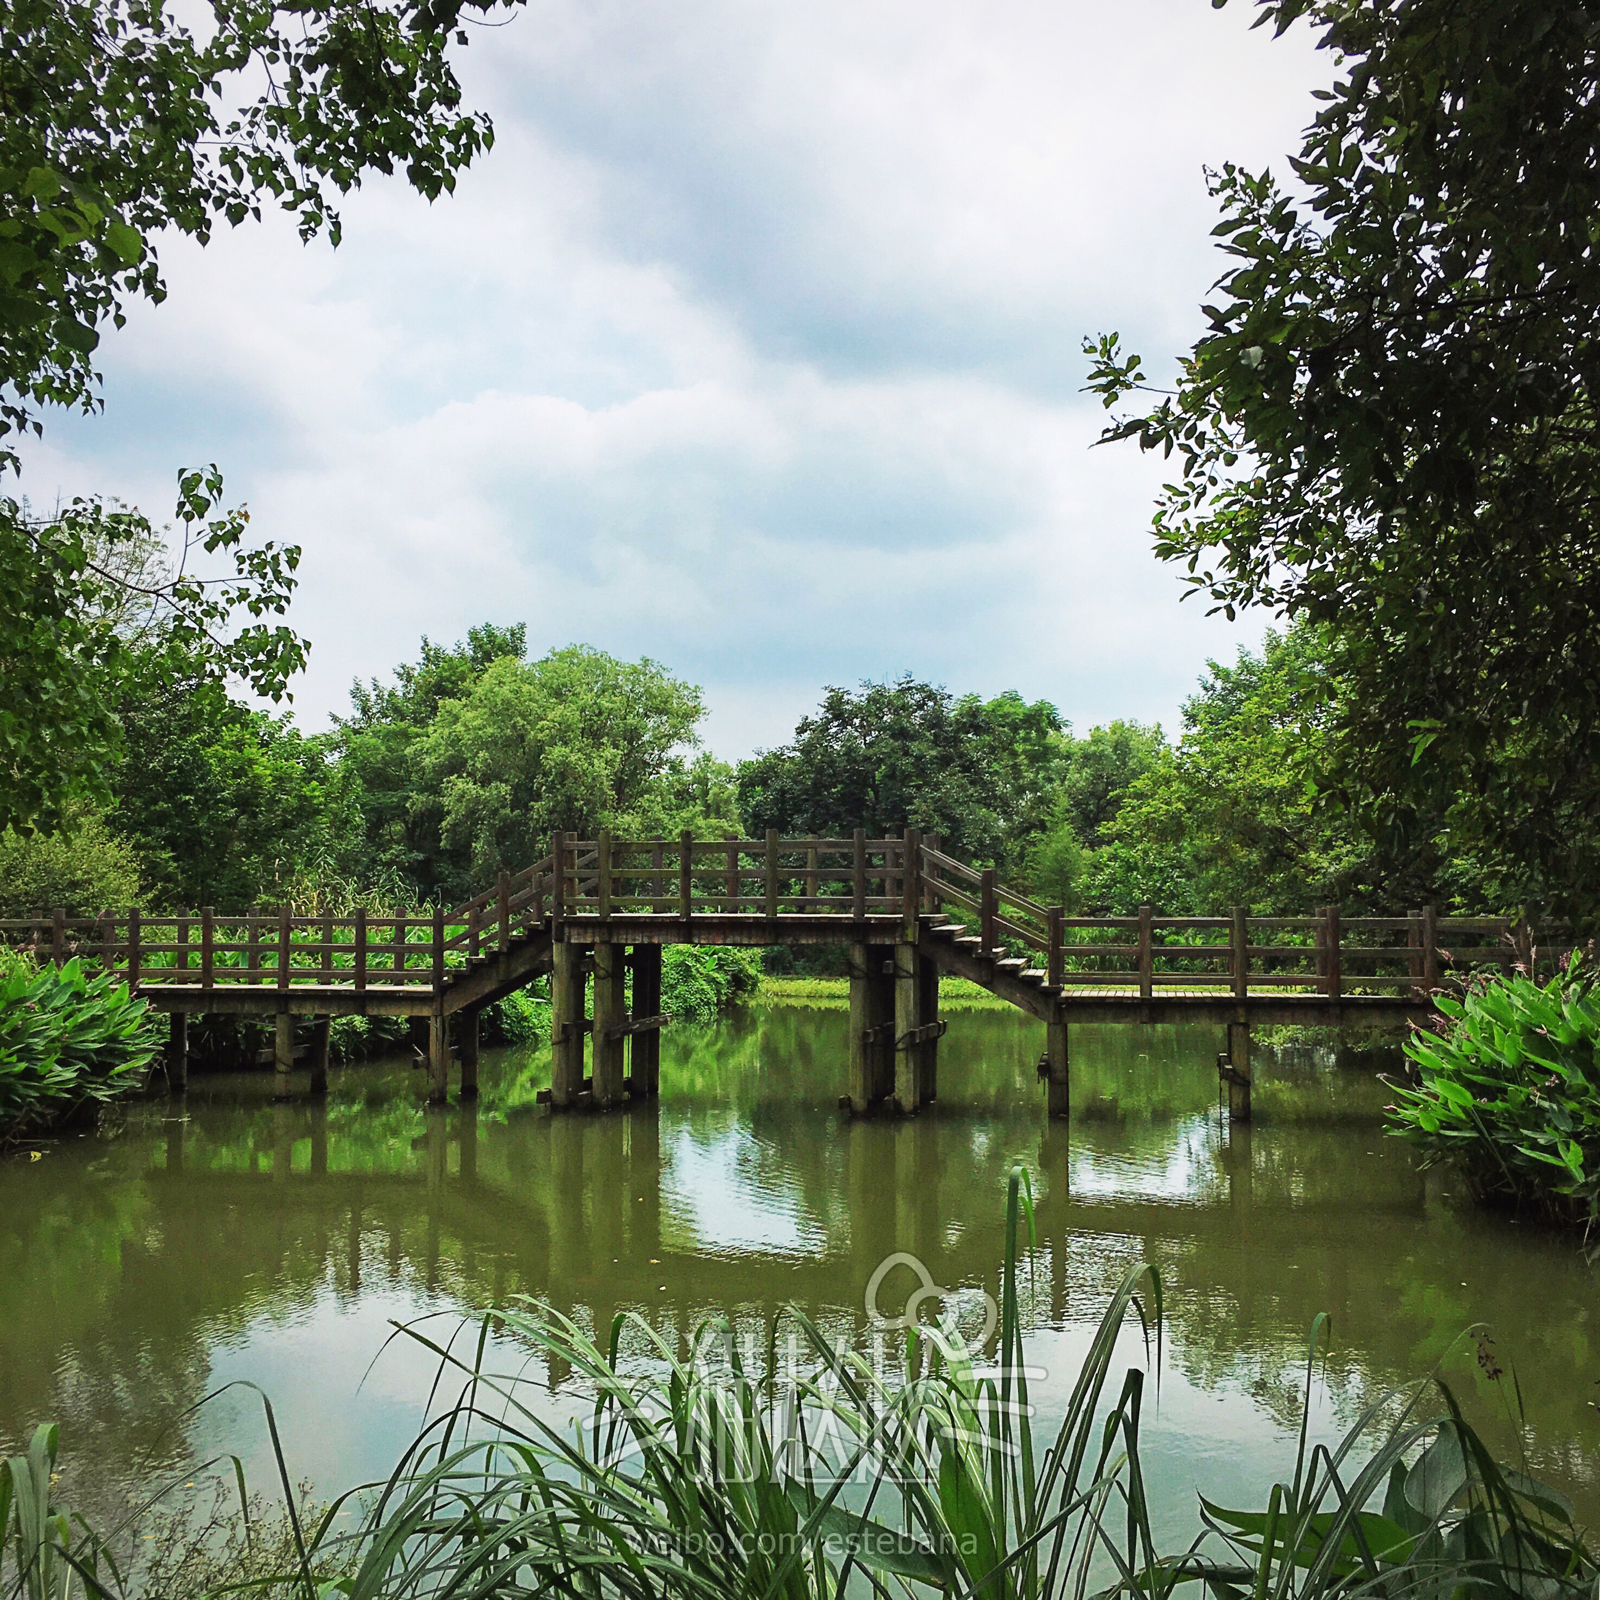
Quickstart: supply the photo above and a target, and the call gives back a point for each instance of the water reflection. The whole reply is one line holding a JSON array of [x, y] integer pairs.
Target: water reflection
[[238, 1238]]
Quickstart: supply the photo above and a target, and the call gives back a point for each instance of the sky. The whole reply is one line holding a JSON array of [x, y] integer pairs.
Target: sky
[[752, 346]]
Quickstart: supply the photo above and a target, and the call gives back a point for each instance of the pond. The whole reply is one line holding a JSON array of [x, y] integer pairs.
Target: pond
[[229, 1238]]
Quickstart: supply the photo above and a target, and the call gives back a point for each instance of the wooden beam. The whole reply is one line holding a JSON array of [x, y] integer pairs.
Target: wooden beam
[[858, 876], [686, 874], [438, 1045], [361, 948], [772, 872], [907, 1022], [282, 1054], [208, 933], [567, 991], [610, 1018], [467, 1049], [321, 1038], [1057, 1069]]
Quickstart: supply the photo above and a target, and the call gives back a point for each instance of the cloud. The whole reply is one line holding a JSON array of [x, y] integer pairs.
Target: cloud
[[752, 346]]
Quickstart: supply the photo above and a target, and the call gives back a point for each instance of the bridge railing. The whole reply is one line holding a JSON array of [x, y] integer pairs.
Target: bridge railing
[[1326, 954]]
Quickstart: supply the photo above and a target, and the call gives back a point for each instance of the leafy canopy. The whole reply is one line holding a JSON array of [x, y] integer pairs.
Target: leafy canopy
[[1389, 425]]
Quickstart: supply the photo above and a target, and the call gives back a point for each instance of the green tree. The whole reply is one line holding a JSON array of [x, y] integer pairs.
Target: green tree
[[907, 754], [1100, 768], [226, 806], [575, 740], [84, 866], [120, 123], [377, 746], [1390, 426]]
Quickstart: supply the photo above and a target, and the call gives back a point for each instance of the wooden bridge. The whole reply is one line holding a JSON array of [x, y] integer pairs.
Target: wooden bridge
[[603, 909]]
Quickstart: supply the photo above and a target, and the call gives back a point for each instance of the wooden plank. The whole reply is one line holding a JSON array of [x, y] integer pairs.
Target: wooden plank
[[858, 877], [283, 947], [558, 878], [813, 856], [1335, 974], [604, 861], [438, 947], [1055, 953], [360, 974], [987, 912], [208, 934], [502, 908], [772, 872], [133, 948], [911, 881], [1240, 943]]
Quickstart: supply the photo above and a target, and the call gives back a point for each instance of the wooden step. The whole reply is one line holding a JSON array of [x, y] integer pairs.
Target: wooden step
[[971, 942], [1034, 975], [1010, 965], [945, 929]]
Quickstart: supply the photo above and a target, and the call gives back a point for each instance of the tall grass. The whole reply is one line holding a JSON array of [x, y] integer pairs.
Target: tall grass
[[695, 1475]]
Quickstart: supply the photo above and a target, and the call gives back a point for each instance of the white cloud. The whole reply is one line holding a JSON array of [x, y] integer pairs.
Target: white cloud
[[752, 346]]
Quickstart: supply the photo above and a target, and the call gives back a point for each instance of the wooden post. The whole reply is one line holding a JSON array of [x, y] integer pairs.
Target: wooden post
[[930, 892], [658, 884], [283, 947], [361, 949], [177, 1052], [686, 874], [467, 1038], [502, 910], [907, 1020], [772, 872], [1335, 969], [1058, 1061], [58, 936], [282, 1054], [1147, 955], [438, 1048], [208, 933], [1239, 1077], [911, 884], [106, 938], [928, 1010], [1239, 942], [252, 935], [603, 875], [558, 878], [325, 966], [732, 865], [321, 1037], [181, 939], [402, 932], [610, 1015], [644, 1049], [567, 1017], [858, 881], [472, 930], [438, 949], [1056, 955], [1430, 948], [813, 880], [989, 902], [861, 1023], [133, 949]]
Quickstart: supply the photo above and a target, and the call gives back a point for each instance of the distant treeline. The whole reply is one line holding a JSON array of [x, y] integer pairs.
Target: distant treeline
[[469, 757]]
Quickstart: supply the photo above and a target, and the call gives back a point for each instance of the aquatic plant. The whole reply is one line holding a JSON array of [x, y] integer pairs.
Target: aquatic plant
[[1510, 1089], [68, 1042]]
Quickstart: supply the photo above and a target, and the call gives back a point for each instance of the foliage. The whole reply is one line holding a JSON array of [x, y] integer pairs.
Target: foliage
[[121, 123], [1100, 769], [522, 1017], [907, 754], [84, 867], [67, 1041], [1390, 427], [698, 981], [230, 807], [1510, 1089], [575, 740], [85, 606]]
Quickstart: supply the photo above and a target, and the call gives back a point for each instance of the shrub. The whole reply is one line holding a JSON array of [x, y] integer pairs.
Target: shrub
[[68, 1041], [698, 981], [84, 867], [522, 1017], [1510, 1088]]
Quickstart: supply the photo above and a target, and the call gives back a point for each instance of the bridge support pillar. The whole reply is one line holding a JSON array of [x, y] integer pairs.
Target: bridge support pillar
[[928, 1010], [872, 1006], [907, 1022], [177, 1052], [282, 1054], [321, 1039], [438, 1056], [567, 1023], [610, 1015], [467, 1040], [644, 1049], [1057, 1062], [1239, 1076]]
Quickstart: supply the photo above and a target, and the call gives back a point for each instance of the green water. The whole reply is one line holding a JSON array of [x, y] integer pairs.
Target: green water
[[229, 1238]]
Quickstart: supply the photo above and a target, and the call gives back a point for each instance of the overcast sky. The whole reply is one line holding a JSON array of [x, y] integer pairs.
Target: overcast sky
[[752, 346]]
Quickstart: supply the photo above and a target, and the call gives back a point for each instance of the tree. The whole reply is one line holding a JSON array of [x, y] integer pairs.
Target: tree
[[117, 122], [576, 740], [907, 754], [87, 601], [84, 866], [1390, 425], [1099, 771]]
